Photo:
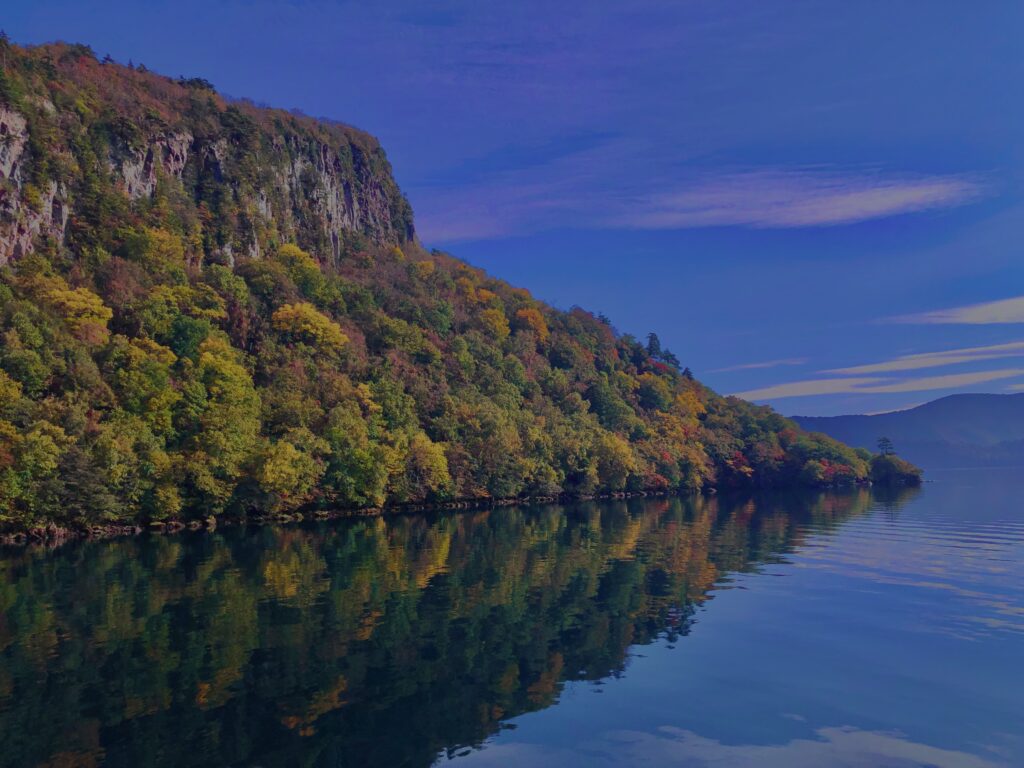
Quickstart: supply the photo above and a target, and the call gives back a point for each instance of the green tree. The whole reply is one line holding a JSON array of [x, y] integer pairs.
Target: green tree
[[653, 345], [288, 473], [228, 425]]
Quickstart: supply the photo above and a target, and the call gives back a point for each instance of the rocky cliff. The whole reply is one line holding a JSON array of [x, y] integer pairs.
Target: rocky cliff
[[247, 177]]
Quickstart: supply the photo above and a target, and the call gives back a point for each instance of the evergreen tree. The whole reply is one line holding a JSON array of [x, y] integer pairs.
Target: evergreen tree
[[654, 346]]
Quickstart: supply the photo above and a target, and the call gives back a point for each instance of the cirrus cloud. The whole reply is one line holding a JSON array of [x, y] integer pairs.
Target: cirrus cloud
[[876, 385], [1001, 312], [937, 359], [577, 189], [801, 197], [761, 365]]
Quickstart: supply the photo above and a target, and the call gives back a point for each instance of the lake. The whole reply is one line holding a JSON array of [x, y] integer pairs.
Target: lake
[[866, 628]]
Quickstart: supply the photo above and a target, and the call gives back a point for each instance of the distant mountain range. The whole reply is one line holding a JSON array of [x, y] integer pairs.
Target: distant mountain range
[[975, 430]]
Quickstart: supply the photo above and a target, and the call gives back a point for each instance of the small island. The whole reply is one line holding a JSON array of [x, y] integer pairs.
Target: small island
[[887, 469]]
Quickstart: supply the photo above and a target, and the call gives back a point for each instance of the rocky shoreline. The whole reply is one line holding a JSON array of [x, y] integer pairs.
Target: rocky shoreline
[[52, 535]]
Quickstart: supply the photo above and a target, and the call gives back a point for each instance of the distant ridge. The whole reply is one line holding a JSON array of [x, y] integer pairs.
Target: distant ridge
[[967, 430]]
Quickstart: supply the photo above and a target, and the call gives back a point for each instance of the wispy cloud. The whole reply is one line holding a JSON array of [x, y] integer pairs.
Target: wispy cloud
[[760, 366], [876, 385], [949, 381], [937, 359], [576, 190], [807, 388], [790, 198], [902, 408], [1004, 311]]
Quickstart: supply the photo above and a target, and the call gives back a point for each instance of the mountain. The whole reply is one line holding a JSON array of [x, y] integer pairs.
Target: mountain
[[968, 430], [210, 307]]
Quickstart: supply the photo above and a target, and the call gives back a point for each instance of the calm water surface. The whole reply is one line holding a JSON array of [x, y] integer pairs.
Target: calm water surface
[[794, 630]]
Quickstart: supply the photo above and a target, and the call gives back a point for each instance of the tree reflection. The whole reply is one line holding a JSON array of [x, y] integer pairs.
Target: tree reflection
[[378, 642]]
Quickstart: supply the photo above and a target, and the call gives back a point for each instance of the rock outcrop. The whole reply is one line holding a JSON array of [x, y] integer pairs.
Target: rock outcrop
[[26, 211], [137, 168], [272, 174]]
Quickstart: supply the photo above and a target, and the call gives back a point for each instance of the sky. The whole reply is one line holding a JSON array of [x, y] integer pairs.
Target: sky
[[817, 205]]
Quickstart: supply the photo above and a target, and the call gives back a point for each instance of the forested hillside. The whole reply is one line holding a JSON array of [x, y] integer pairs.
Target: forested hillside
[[209, 307]]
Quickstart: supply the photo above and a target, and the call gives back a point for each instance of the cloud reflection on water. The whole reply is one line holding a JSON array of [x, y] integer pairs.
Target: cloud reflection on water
[[843, 747]]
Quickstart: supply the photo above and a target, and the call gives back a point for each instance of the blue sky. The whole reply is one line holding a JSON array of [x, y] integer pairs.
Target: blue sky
[[817, 204]]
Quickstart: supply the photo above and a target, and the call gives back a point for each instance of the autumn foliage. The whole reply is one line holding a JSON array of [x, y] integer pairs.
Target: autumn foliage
[[179, 355]]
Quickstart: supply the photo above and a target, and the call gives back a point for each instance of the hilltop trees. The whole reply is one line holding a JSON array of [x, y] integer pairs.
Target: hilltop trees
[[654, 346]]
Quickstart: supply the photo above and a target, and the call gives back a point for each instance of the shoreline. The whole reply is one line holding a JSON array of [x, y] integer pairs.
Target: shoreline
[[52, 535]]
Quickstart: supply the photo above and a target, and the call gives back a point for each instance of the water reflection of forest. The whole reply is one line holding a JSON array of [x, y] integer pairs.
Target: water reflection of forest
[[378, 642]]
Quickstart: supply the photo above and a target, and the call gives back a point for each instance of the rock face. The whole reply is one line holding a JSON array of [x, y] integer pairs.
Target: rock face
[[274, 176], [26, 212], [13, 135], [18, 235], [137, 168]]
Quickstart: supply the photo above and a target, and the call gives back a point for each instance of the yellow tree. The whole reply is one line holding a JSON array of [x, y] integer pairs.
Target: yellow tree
[[304, 322], [530, 319]]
